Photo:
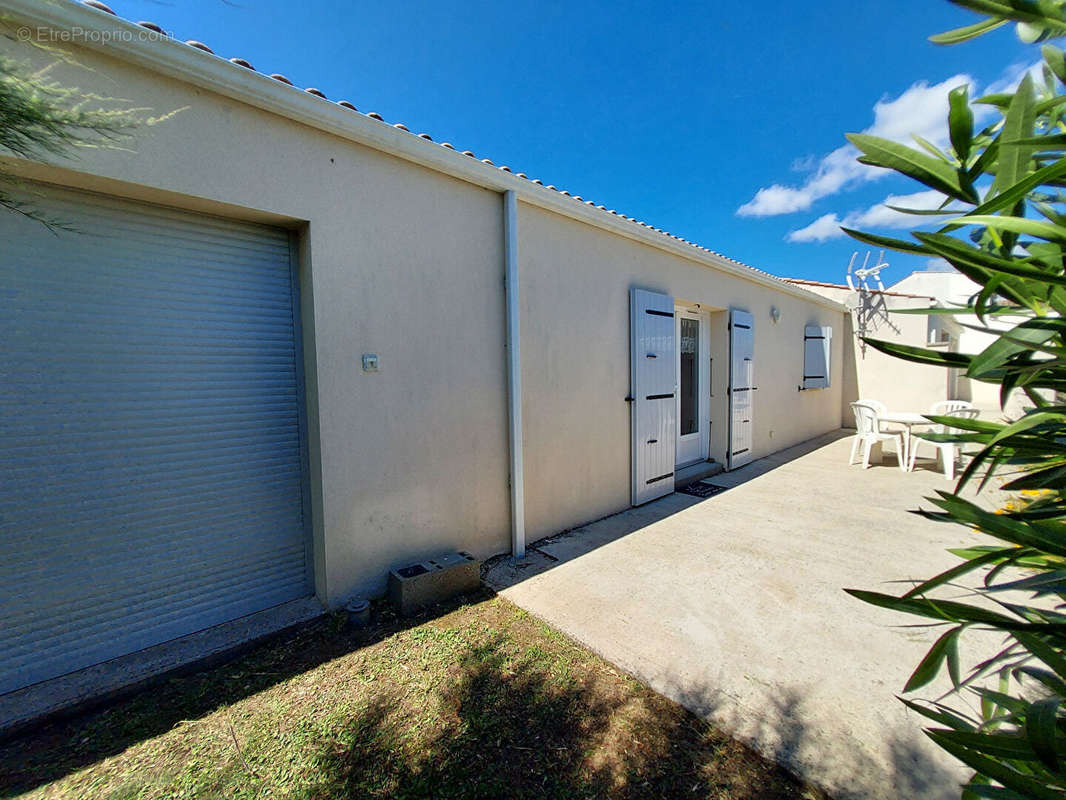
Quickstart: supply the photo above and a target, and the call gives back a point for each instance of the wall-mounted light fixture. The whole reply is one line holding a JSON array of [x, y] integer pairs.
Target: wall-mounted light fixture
[[775, 313]]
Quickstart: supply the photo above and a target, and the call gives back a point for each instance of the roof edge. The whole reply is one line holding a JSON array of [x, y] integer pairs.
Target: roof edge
[[886, 292], [118, 38]]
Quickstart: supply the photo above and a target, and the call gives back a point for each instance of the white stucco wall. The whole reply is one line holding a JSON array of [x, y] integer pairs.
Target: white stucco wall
[[403, 261], [396, 260], [873, 375], [575, 353]]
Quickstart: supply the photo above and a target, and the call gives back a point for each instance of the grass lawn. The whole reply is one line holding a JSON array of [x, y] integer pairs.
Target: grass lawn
[[482, 701]]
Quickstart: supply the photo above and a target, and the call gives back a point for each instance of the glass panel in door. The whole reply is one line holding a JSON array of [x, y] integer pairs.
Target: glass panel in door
[[689, 379]]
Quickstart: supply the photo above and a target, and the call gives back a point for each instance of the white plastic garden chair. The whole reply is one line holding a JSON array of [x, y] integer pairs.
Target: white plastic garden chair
[[878, 406], [946, 452], [868, 433], [949, 406]]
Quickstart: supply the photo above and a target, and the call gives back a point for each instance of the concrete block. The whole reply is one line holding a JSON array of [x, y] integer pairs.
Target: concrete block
[[417, 586]]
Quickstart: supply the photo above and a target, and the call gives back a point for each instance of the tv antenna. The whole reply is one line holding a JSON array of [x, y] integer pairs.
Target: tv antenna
[[871, 306], [863, 274]]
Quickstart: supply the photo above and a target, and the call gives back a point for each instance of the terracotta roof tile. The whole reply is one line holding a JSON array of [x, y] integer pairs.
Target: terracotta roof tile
[[240, 62], [315, 92], [199, 46], [99, 7]]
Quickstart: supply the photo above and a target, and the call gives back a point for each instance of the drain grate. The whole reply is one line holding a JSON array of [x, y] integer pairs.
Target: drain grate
[[702, 489]]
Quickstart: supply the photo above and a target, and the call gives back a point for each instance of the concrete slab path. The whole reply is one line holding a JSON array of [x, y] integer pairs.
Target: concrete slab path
[[734, 606]]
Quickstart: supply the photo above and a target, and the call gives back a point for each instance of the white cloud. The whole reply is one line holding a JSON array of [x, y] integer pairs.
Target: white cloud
[[938, 265], [822, 229], [1013, 75], [921, 110], [880, 215]]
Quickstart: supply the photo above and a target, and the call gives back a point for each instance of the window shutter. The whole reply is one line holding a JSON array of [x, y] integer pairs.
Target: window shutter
[[816, 346]]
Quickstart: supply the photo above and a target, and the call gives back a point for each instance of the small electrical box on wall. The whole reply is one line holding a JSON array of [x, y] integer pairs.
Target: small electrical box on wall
[[370, 362]]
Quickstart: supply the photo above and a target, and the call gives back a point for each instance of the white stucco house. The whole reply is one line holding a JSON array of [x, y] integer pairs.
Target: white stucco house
[[286, 346]]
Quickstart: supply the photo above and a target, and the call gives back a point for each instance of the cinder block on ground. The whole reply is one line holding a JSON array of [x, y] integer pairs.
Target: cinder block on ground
[[417, 586]]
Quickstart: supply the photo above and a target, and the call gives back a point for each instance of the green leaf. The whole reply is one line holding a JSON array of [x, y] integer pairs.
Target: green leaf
[[1002, 349], [999, 99], [924, 212], [951, 574], [933, 172], [941, 714], [989, 792], [930, 665], [1017, 10], [947, 610], [960, 121], [931, 148], [920, 355], [1012, 194], [978, 265], [1032, 227], [887, 242], [1052, 141], [1047, 678], [967, 32], [1000, 525], [1041, 728], [996, 745], [1055, 59], [1051, 418], [1015, 159], [1051, 658], [1030, 787]]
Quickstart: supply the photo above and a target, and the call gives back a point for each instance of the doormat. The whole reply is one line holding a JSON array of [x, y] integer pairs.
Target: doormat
[[701, 489]]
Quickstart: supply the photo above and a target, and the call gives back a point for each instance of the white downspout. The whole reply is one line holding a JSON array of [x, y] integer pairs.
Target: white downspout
[[514, 374]]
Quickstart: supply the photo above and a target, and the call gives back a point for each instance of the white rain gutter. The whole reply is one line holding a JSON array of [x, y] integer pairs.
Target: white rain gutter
[[514, 373], [125, 40]]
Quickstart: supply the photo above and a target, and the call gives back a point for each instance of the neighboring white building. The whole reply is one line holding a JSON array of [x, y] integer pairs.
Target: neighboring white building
[[950, 288], [869, 373], [900, 384]]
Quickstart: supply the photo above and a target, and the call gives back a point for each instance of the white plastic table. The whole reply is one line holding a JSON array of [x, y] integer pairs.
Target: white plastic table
[[908, 419]]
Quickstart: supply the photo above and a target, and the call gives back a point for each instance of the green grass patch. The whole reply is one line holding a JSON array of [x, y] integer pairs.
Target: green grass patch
[[483, 701]]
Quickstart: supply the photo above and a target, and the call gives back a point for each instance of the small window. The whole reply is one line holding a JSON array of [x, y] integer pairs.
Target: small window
[[817, 343], [938, 333]]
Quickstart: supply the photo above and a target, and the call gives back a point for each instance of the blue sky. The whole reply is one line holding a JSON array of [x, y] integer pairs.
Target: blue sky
[[677, 114]]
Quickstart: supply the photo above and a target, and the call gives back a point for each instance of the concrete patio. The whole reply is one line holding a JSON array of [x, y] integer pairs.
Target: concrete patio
[[734, 607]]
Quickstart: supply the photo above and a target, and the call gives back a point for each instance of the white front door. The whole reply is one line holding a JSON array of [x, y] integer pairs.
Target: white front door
[[693, 389], [741, 388], [653, 371]]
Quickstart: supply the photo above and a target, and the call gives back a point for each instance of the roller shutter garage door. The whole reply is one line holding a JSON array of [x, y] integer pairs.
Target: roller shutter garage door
[[151, 430]]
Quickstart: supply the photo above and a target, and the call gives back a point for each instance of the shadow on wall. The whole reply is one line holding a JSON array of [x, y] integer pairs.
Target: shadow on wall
[[850, 384]]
